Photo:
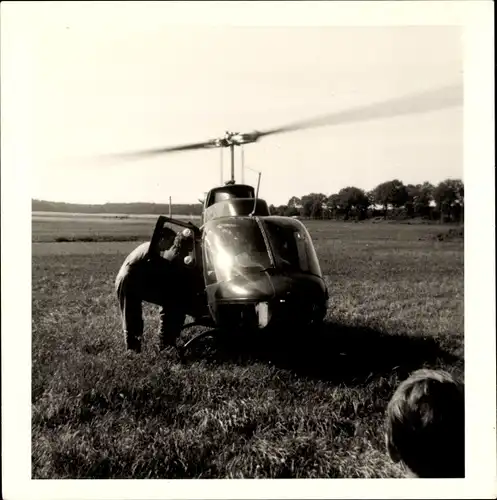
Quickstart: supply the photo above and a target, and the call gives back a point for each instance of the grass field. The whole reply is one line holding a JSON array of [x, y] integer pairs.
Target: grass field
[[66, 227], [310, 409]]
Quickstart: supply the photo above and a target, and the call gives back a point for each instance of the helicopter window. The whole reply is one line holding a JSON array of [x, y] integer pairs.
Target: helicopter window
[[292, 246], [222, 197], [233, 249], [229, 193]]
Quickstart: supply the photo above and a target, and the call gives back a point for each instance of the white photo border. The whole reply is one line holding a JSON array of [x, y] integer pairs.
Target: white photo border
[[476, 18]]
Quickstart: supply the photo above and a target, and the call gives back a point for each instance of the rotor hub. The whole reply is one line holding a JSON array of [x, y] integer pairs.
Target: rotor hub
[[235, 139]]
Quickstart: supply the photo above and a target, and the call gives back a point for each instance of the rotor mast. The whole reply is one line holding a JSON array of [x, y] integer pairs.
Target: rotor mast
[[232, 139]]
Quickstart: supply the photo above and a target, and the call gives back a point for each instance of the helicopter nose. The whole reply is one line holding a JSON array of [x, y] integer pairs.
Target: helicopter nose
[[257, 288]]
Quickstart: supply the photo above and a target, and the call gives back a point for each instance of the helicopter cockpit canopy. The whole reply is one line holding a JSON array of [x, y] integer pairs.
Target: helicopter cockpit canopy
[[241, 246]]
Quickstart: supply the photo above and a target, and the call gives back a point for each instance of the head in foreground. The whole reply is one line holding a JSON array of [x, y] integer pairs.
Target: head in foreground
[[425, 425]]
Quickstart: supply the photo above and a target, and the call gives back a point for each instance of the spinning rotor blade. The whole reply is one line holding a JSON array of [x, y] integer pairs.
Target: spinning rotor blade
[[158, 151], [412, 104], [422, 102]]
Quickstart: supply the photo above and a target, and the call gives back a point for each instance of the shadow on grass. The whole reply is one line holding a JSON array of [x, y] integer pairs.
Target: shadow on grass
[[339, 353]]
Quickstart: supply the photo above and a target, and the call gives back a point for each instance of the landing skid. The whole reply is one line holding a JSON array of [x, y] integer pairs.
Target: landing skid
[[205, 322]]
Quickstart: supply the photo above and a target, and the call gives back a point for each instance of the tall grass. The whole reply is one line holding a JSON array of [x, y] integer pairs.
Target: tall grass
[[301, 407]]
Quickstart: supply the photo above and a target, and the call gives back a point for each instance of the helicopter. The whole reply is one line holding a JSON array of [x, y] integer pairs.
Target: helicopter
[[260, 271]]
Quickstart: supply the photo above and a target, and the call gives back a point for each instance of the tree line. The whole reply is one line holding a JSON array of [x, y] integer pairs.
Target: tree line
[[117, 208], [391, 199]]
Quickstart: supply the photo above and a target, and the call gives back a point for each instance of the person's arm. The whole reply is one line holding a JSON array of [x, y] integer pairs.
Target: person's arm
[[171, 254], [162, 239]]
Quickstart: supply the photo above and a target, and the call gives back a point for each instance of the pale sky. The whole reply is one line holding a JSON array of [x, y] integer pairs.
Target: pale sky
[[103, 86]]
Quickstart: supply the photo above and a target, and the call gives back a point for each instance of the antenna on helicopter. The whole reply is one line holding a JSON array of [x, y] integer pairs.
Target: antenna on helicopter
[[221, 161], [257, 189], [243, 164], [232, 153]]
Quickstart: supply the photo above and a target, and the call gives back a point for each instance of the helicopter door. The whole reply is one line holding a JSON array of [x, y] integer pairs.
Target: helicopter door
[[196, 254]]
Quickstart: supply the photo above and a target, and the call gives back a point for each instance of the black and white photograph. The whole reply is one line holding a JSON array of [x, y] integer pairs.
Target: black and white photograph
[[253, 246]]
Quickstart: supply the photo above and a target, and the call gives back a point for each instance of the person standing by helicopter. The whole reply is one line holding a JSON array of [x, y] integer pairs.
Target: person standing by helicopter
[[163, 280]]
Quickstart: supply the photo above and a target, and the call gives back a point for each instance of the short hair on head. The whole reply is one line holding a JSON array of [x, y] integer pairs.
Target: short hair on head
[[167, 236], [167, 232], [425, 424]]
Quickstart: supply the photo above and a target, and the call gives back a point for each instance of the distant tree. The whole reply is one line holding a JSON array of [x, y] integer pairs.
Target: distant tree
[[390, 193], [312, 205], [278, 210], [294, 202], [449, 197], [353, 199], [371, 197], [371, 201], [423, 203], [308, 203], [333, 205], [412, 196], [419, 197], [290, 211]]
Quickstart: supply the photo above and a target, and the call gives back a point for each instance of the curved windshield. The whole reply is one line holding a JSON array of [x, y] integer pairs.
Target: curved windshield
[[292, 246], [233, 247]]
